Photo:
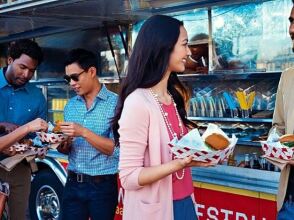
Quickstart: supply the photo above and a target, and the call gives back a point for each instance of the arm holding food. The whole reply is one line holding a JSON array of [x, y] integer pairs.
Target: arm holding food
[[133, 143], [9, 139], [103, 144]]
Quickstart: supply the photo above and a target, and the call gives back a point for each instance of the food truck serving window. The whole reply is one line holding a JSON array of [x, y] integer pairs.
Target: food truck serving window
[[245, 37], [252, 36]]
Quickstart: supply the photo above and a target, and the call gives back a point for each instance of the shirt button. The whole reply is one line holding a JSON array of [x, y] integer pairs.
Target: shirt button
[[85, 121], [29, 110], [10, 108], [12, 93]]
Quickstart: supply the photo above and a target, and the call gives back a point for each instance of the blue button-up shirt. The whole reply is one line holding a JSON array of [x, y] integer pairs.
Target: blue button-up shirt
[[84, 158], [22, 105]]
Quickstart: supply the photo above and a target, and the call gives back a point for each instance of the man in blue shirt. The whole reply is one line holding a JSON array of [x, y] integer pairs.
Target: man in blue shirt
[[21, 103], [91, 187]]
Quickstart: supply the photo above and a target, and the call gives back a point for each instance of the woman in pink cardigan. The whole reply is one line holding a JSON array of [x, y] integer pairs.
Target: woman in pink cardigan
[[151, 111]]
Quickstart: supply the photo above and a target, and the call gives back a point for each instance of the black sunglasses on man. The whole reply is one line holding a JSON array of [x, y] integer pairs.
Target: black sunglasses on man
[[74, 77]]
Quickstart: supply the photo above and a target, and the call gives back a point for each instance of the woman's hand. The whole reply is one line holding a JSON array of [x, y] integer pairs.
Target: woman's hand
[[37, 125], [189, 162]]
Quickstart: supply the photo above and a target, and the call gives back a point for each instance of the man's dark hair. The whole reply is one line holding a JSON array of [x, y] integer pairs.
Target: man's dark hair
[[25, 46], [84, 58]]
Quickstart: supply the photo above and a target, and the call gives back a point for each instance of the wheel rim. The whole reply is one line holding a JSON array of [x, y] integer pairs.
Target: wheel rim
[[47, 203]]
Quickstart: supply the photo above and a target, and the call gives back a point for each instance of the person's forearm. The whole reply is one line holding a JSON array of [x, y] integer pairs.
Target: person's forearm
[[149, 175], [9, 139], [104, 145]]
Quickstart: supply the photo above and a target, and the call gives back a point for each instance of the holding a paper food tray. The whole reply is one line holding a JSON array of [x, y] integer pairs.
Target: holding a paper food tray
[[53, 137], [214, 146]]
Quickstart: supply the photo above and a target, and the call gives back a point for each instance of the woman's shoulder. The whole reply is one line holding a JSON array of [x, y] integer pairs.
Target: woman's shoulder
[[138, 96], [139, 100]]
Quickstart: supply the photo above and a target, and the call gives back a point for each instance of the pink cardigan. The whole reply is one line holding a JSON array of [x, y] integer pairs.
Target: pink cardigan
[[144, 143]]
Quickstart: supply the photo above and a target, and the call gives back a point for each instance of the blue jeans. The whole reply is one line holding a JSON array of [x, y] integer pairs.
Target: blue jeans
[[184, 209], [89, 200], [287, 211]]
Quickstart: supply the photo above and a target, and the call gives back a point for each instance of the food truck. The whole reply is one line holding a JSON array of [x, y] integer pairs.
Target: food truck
[[239, 49]]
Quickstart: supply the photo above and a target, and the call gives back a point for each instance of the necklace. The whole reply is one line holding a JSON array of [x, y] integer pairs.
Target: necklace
[[165, 116], [169, 125]]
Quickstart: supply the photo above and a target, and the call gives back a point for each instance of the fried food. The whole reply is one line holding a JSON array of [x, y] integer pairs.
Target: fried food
[[217, 141], [28, 142], [57, 128]]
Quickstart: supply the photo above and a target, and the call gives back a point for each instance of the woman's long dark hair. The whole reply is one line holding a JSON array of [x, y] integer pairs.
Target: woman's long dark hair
[[148, 63]]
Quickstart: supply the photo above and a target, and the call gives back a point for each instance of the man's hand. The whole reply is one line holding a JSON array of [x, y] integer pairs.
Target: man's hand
[[9, 126], [65, 146], [72, 129]]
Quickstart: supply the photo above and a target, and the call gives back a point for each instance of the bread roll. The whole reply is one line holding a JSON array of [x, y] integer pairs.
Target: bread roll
[[217, 141]]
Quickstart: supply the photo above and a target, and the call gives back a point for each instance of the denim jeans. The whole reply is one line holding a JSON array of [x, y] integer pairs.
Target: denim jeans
[[89, 200], [287, 211], [184, 209]]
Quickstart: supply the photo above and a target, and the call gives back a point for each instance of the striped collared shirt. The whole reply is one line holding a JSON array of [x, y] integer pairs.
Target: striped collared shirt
[[83, 157]]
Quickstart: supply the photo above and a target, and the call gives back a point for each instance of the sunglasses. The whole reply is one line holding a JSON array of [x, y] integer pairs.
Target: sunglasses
[[75, 77]]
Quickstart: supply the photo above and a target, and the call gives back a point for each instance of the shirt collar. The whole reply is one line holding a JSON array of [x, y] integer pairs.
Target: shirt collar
[[102, 94]]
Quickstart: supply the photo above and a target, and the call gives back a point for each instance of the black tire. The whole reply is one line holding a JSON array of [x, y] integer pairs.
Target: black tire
[[45, 196]]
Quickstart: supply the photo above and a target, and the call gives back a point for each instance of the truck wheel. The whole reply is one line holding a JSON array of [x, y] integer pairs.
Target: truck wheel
[[45, 197]]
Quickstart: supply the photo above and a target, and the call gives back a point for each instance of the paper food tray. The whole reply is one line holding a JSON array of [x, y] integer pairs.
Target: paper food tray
[[277, 150], [51, 138], [202, 153], [19, 148]]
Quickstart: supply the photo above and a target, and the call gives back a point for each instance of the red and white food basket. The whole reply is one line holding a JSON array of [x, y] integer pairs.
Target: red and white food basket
[[51, 138], [40, 151], [193, 144], [22, 148], [19, 148], [277, 150]]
